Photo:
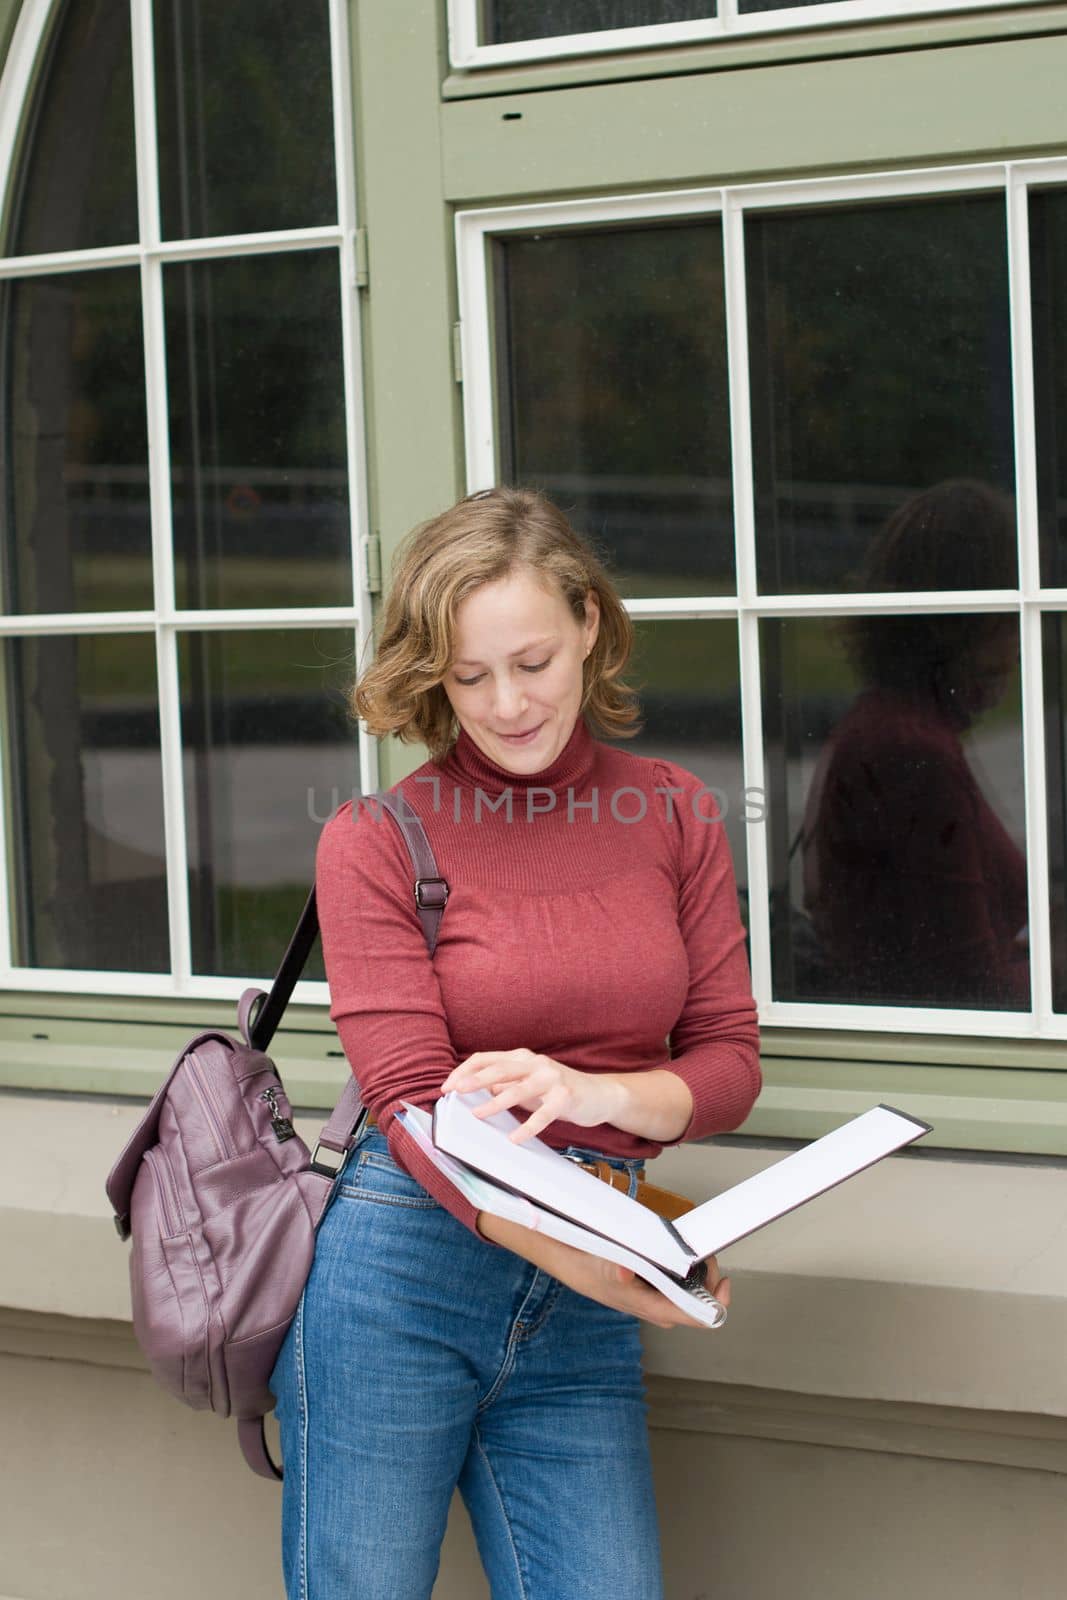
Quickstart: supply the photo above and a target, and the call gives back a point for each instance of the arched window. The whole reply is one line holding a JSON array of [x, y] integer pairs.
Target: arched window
[[182, 485]]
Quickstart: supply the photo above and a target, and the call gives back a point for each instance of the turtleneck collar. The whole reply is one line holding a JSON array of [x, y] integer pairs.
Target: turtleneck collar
[[467, 764]]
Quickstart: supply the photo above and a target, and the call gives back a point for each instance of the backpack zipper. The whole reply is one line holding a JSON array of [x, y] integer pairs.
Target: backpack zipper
[[223, 1142], [281, 1126], [171, 1213]]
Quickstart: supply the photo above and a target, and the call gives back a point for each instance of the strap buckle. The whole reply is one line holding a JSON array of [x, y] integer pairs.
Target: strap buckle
[[431, 893], [324, 1155], [322, 1166]]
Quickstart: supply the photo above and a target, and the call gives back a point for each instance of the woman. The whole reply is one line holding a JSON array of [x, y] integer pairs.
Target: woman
[[592, 913], [915, 888]]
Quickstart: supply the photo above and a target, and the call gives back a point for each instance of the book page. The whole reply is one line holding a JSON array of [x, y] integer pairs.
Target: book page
[[482, 1193], [797, 1178], [550, 1179], [488, 1196]]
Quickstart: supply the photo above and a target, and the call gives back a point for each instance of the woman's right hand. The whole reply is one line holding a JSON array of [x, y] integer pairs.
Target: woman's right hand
[[604, 1281]]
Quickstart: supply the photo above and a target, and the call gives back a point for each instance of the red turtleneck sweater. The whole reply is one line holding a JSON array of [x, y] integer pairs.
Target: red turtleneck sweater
[[599, 925]]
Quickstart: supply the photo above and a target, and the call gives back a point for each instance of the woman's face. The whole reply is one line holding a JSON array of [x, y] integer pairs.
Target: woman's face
[[984, 673], [515, 679]]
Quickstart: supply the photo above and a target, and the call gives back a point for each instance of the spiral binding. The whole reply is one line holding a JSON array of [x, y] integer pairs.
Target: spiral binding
[[694, 1283]]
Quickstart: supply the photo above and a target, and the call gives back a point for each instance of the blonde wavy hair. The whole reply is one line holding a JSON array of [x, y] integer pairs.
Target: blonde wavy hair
[[483, 538]]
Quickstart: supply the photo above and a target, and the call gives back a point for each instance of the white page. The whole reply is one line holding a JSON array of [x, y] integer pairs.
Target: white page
[[481, 1192], [502, 1203], [550, 1179], [797, 1178]]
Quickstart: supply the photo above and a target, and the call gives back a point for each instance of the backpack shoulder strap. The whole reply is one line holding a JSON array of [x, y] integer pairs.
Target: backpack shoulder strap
[[259, 1023], [431, 890], [431, 896]]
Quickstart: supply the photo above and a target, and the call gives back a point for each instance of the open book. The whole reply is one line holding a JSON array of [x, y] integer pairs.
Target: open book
[[536, 1186]]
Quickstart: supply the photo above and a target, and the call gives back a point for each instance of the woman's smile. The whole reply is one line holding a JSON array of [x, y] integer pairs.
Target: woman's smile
[[516, 681]]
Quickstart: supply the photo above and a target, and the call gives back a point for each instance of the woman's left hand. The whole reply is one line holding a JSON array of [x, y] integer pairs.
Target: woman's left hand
[[546, 1088]]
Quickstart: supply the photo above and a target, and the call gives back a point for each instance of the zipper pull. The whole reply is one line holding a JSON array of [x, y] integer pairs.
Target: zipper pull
[[281, 1127]]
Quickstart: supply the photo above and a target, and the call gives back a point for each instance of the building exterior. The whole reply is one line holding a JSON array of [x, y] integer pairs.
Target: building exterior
[[774, 300]]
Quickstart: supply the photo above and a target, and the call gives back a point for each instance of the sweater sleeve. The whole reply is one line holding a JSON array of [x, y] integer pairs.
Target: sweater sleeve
[[384, 995], [714, 1045]]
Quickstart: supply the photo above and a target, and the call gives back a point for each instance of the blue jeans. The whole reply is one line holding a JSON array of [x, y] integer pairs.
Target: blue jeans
[[423, 1358]]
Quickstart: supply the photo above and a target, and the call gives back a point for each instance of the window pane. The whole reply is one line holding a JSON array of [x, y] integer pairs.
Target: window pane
[[244, 113], [612, 350], [880, 364], [269, 755], [1048, 271], [87, 803], [1054, 640], [506, 21], [75, 438], [895, 803], [77, 187], [257, 428], [688, 676]]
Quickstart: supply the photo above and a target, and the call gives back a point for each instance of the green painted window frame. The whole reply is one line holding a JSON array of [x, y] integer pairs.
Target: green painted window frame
[[428, 144], [994, 1096]]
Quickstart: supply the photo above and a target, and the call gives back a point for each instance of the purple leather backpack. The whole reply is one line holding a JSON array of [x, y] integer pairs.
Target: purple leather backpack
[[222, 1198]]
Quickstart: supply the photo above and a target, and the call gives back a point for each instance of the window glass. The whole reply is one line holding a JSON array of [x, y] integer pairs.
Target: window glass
[[257, 430], [507, 21], [896, 813], [612, 381], [77, 189], [688, 679], [244, 116], [75, 444], [269, 756], [87, 803], [1048, 277], [880, 365]]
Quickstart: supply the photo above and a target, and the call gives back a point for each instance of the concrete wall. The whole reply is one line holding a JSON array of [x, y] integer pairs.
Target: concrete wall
[[112, 1489], [885, 1411]]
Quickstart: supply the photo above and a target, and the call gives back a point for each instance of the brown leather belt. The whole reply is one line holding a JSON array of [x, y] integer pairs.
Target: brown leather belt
[[664, 1202]]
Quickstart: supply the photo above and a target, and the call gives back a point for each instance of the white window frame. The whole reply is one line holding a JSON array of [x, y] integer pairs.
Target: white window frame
[[467, 53], [164, 621], [474, 231]]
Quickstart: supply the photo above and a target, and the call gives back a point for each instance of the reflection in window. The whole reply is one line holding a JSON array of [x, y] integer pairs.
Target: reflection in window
[[269, 755], [688, 678], [75, 444], [894, 763], [78, 188], [244, 116], [508, 21], [1048, 280], [257, 427], [880, 364], [612, 350], [87, 803]]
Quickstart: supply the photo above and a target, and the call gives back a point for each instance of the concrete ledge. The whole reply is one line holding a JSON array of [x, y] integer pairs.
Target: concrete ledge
[[926, 1281], [1034, 1443]]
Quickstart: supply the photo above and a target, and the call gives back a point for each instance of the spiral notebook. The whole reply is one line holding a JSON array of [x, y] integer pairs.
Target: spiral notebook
[[532, 1184]]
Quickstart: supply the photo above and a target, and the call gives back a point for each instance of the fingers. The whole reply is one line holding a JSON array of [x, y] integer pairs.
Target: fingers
[[552, 1106], [641, 1300], [504, 1099], [488, 1066], [516, 1079], [716, 1283]]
